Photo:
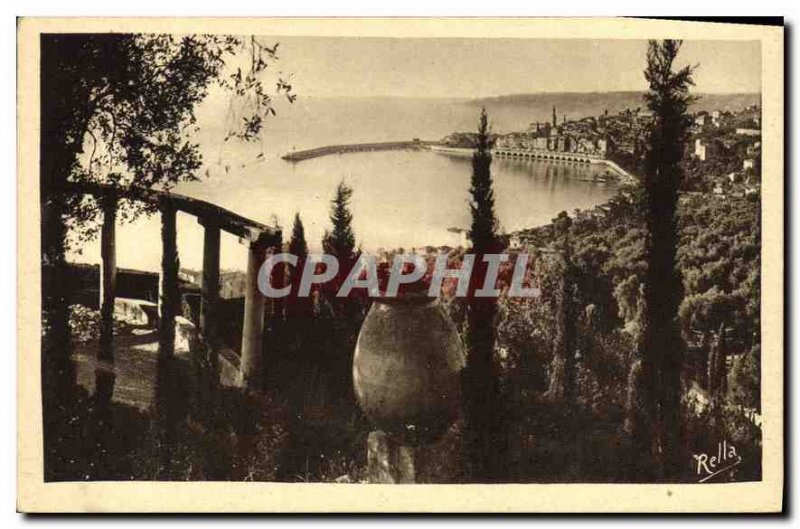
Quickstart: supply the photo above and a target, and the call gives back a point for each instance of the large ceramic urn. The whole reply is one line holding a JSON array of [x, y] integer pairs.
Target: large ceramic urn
[[407, 368]]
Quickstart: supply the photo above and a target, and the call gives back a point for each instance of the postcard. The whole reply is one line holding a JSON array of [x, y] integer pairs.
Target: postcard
[[400, 265]]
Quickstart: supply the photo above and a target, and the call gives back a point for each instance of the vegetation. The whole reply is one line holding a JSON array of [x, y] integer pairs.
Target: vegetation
[[346, 313], [117, 109], [655, 410], [643, 348], [327, 431], [297, 244], [720, 285], [484, 429], [341, 241]]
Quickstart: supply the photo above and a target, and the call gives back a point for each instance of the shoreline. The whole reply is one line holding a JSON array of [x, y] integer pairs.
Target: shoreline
[[417, 144], [624, 177], [550, 157]]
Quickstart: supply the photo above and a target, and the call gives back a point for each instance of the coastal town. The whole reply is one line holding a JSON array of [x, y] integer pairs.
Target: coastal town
[[719, 136], [636, 224], [723, 160]]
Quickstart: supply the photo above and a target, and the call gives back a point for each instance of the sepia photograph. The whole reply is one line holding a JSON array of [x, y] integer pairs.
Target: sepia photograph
[[438, 256]]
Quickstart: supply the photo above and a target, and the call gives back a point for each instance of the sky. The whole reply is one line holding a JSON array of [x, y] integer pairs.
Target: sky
[[353, 66], [429, 68]]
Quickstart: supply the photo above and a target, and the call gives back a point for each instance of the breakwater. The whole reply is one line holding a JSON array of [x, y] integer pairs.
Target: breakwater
[[299, 156], [417, 144], [546, 156]]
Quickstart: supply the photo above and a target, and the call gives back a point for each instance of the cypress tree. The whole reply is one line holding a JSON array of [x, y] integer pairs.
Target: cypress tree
[[717, 381], [484, 436], [660, 345], [484, 222], [717, 365], [298, 307], [297, 244], [562, 367], [341, 241], [303, 343], [722, 360], [348, 313]]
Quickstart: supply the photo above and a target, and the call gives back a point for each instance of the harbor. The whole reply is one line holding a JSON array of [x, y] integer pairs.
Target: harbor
[[417, 144], [307, 154]]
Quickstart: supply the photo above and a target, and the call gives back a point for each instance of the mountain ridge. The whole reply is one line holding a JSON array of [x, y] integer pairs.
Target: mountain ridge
[[595, 103], [524, 95]]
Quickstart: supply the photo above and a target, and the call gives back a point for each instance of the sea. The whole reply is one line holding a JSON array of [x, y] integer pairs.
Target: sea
[[401, 199]]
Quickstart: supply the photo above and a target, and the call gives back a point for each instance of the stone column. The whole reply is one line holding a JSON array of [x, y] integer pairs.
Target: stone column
[[169, 294], [210, 284], [104, 368], [388, 461], [108, 279], [253, 324]]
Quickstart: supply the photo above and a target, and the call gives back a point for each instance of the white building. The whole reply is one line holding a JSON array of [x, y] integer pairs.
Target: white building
[[461, 236], [699, 149]]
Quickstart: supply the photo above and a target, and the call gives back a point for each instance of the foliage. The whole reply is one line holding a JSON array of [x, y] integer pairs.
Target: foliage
[[297, 244], [84, 324], [127, 114], [719, 256], [119, 109], [484, 426], [744, 380], [236, 438], [562, 366], [718, 259], [341, 241], [656, 422], [484, 222], [593, 273], [339, 319]]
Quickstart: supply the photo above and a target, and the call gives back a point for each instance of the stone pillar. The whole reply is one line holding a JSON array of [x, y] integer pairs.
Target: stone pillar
[[210, 284], [104, 375], [169, 294], [405, 464], [253, 324], [388, 461], [108, 278]]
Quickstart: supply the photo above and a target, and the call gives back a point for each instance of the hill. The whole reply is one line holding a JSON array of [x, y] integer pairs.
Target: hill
[[516, 111]]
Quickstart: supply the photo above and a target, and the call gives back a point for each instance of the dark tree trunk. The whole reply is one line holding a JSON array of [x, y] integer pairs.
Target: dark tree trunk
[[485, 436], [485, 443], [562, 368], [63, 124]]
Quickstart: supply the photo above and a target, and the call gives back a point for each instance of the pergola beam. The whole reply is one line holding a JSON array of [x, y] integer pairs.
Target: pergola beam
[[226, 220]]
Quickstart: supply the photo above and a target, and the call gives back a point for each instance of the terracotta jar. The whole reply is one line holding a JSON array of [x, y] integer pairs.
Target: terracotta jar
[[407, 368]]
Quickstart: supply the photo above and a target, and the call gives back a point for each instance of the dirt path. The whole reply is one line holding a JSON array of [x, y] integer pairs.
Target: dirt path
[[135, 366]]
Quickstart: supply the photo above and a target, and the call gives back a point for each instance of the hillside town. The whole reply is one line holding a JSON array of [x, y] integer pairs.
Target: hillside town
[[723, 157], [577, 137], [202, 373]]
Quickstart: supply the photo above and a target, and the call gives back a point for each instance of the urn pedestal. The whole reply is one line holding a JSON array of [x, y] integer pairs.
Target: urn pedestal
[[407, 378]]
